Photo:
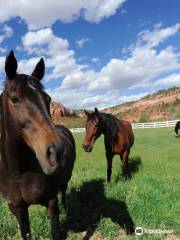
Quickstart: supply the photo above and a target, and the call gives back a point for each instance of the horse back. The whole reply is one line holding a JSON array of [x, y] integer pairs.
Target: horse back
[[129, 131], [69, 152], [66, 135]]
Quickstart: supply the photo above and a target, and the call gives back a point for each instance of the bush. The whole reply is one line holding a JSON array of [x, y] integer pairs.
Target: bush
[[144, 117]]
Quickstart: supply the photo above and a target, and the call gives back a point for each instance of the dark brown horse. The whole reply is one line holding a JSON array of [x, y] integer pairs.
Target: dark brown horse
[[118, 137], [37, 157], [177, 127]]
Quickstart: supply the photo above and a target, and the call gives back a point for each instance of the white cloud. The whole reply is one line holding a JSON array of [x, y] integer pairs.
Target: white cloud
[[26, 66], [110, 98], [2, 74], [78, 80], [95, 60], [154, 38], [55, 50], [98, 9], [144, 63], [71, 97], [169, 81], [43, 13], [84, 87], [44, 42], [5, 32], [2, 61], [151, 39], [3, 50], [80, 43], [84, 99]]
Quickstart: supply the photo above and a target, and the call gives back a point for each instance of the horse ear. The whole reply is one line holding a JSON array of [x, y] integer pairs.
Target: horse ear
[[39, 70], [11, 65], [97, 113], [86, 112], [96, 110]]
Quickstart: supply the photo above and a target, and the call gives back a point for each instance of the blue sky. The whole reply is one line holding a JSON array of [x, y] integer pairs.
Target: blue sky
[[97, 53]]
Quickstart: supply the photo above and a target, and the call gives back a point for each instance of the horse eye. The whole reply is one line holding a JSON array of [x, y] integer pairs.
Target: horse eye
[[15, 99]]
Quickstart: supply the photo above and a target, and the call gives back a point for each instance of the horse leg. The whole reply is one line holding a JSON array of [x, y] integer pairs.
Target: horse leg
[[53, 214], [121, 157], [109, 158], [64, 188], [125, 157], [22, 216]]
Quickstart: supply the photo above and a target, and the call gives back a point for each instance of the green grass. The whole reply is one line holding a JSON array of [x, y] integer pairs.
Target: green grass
[[74, 122], [149, 199]]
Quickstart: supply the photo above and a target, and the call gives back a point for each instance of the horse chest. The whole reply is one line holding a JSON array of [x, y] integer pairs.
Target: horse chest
[[30, 188], [115, 146]]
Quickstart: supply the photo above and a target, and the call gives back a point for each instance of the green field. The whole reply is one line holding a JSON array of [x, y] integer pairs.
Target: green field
[[150, 198]]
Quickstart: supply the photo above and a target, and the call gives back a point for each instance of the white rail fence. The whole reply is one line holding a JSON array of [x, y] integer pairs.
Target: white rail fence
[[155, 124], [140, 125], [77, 130]]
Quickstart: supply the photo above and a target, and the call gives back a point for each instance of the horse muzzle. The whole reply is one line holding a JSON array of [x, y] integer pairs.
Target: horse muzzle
[[51, 162], [87, 147], [50, 170]]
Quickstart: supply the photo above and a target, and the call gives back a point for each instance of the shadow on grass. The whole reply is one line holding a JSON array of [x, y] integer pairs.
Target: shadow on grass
[[177, 136], [88, 204], [133, 167]]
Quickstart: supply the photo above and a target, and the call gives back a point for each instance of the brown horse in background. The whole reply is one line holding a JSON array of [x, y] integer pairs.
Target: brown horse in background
[[177, 127], [118, 137], [37, 157]]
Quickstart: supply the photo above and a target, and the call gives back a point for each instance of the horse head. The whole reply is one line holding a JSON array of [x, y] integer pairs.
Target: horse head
[[93, 127], [26, 114]]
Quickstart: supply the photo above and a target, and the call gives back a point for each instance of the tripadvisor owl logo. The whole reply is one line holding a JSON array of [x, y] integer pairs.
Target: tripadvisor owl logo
[[139, 231]]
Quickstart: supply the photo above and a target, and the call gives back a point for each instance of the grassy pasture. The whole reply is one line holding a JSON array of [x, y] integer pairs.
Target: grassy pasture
[[150, 198]]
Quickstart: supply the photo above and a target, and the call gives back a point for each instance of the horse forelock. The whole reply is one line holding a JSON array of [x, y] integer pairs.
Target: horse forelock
[[21, 82]]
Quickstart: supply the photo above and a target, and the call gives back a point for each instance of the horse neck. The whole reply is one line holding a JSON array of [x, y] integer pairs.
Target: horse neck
[[105, 125], [9, 144], [110, 125]]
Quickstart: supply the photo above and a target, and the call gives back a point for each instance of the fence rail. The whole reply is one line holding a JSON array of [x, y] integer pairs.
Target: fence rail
[[140, 125], [155, 124]]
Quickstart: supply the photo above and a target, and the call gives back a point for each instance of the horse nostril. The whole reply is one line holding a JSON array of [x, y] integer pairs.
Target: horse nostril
[[86, 147], [52, 155]]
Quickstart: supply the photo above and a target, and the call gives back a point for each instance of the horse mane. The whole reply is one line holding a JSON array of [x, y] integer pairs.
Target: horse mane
[[111, 127], [22, 81]]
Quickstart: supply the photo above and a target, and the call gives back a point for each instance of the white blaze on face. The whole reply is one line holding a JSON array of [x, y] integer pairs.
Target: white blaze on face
[[31, 86]]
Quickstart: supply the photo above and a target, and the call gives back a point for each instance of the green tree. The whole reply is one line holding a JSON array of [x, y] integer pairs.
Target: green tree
[[144, 117]]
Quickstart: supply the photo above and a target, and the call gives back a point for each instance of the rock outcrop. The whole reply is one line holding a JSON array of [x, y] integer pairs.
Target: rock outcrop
[[59, 112]]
